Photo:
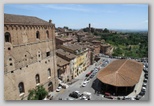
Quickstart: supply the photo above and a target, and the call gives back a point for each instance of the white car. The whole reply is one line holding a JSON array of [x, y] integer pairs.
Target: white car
[[84, 98], [58, 89], [84, 83]]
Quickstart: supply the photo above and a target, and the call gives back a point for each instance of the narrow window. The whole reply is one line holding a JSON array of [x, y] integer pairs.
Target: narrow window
[[49, 72], [47, 33], [47, 54], [37, 78], [7, 37], [21, 87], [37, 35]]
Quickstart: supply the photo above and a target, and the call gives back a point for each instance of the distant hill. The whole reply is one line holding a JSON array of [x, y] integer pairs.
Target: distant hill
[[130, 31]]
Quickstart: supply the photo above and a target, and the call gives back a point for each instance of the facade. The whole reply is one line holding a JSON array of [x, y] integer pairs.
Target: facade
[[71, 58], [63, 70], [81, 52], [29, 55]]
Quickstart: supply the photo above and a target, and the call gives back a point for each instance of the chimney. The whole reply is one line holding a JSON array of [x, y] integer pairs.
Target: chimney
[[50, 21]]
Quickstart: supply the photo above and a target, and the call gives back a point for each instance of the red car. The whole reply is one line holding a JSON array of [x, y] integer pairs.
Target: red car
[[88, 74], [108, 95]]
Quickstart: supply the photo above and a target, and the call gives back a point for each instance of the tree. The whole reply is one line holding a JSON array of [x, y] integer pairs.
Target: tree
[[39, 93], [65, 27], [106, 30]]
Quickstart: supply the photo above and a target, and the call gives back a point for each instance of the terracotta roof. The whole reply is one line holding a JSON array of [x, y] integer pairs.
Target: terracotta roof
[[75, 46], [21, 19], [121, 73], [65, 54], [61, 62], [64, 39]]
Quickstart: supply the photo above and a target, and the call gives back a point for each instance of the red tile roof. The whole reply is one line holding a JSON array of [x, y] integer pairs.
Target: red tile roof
[[25, 20]]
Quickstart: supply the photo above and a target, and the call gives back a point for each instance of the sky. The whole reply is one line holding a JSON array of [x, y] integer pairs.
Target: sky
[[77, 16]]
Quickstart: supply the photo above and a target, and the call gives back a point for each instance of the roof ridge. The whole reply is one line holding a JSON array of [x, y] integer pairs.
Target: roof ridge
[[121, 66]]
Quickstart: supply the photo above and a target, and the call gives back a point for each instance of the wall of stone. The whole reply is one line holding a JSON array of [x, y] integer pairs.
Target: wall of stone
[[25, 56]]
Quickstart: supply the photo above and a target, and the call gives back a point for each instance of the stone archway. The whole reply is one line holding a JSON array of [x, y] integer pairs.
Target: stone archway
[[50, 87]]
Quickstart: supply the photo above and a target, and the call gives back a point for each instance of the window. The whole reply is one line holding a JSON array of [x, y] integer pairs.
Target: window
[[49, 72], [37, 78], [7, 37], [47, 54], [21, 87], [10, 64], [47, 33], [9, 48], [10, 59], [38, 35]]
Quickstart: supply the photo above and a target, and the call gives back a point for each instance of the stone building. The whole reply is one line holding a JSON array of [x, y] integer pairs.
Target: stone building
[[82, 57], [63, 69], [29, 55], [106, 49], [62, 41], [69, 57]]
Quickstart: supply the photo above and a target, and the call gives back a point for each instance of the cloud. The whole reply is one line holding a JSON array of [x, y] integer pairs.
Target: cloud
[[71, 7]]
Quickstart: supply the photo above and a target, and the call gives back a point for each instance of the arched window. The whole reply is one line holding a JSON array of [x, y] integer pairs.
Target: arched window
[[38, 35], [37, 78], [21, 87], [7, 37], [49, 72], [47, 33]]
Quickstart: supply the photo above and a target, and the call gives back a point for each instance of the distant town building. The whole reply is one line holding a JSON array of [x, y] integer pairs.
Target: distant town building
[[106, 49], [62, 41], [29, 55]]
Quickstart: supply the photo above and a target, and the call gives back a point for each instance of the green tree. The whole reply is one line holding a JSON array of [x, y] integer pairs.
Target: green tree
[[39, 93], [66, 27], [106, 30]]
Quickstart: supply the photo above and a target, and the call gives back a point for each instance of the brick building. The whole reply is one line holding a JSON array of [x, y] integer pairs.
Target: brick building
[[63, 69], [62, 41], [29, 55], [106, 49]]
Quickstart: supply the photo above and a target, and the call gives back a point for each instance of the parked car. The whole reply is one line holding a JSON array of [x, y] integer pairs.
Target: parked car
[[87, 75], [138, 97], [144, 85], [84, 83], [74, 94], [145, 80], [58, 89], [86, 95], [84, 98], [146, 76], [92, 76], [142, 93]]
